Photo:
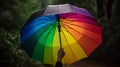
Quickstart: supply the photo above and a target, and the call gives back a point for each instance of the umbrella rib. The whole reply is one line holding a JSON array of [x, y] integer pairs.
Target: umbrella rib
[[83, 16], [80, 27], [52, 49], [74, 37], [77, 31], [44, 30], [46, 36], [69, 45], [93, 20], [27, 27], [39, 38], [78, 16], [36, 20], [33, 30], [39, 24], [52, 42]]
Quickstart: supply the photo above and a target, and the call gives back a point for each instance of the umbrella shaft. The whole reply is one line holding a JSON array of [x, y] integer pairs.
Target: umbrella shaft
[[59, 30], [60, 40]]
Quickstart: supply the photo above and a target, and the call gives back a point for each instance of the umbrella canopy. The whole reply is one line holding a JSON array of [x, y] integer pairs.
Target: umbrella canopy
[[74, 29]]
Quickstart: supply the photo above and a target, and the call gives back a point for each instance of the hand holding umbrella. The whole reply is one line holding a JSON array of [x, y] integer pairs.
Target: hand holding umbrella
[[61, 54]]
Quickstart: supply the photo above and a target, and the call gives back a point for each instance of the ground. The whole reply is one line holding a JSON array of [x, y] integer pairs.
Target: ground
[[89, 63]]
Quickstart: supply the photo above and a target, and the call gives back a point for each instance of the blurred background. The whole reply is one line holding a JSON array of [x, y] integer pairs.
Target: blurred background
[[14, 14]]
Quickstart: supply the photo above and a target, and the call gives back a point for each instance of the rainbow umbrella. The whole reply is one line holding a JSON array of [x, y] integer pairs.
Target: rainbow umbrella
[[73, 29]]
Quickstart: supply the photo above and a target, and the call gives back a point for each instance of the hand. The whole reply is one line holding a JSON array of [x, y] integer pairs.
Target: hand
[[61, 54]]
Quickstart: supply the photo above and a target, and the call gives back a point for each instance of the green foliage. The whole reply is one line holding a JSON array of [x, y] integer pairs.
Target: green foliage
[[13, 14]]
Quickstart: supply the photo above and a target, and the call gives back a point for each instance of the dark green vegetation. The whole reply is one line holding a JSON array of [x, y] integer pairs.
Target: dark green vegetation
[[14, 13]]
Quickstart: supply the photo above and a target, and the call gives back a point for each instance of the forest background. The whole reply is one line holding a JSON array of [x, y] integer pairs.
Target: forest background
[[14, 14]]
